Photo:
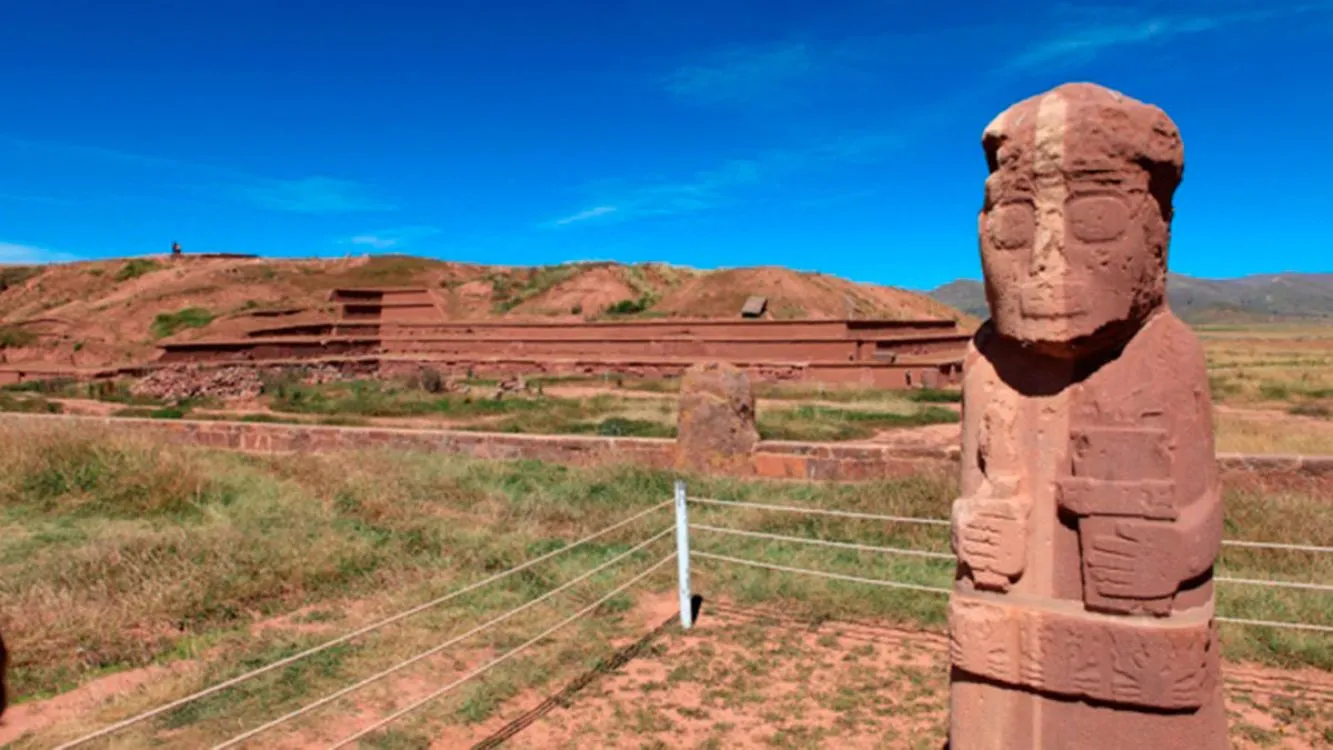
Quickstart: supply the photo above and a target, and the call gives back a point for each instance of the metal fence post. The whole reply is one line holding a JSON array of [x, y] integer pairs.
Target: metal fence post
[[683, 557]]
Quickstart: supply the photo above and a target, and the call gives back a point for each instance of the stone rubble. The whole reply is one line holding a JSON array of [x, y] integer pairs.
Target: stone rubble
[[234, 383]]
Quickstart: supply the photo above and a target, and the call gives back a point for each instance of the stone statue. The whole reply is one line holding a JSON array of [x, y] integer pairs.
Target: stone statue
[[1082, 613]]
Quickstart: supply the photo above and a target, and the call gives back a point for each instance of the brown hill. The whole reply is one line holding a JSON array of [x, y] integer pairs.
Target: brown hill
[[793, 295], [1264, 298], [113, 312]]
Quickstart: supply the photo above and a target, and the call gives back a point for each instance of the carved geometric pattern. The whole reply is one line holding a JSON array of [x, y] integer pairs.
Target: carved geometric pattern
[[1162, 663]]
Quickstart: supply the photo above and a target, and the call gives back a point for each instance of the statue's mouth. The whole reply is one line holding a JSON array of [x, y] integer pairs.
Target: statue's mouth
[[1051, 302]]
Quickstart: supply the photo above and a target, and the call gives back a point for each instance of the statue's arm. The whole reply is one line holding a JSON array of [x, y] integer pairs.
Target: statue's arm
[[1199, 535], [1147, 494], [1200, 524], [989, 530]]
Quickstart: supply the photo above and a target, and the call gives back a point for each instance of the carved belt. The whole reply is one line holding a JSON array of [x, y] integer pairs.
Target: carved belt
[[1056, 647]]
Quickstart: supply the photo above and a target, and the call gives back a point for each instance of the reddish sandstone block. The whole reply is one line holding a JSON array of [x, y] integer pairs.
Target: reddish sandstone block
[[778, 466], [715, 426], [824, 469]]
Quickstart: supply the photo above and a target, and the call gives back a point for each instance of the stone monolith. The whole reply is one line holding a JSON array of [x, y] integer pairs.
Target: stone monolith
[[1089, 517], [715, 425]]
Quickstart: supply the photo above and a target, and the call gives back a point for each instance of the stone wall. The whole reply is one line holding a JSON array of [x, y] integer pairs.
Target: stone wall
[[772, 459]]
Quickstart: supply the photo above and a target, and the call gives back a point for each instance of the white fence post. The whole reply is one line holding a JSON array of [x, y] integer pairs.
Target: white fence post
[[683, 557]]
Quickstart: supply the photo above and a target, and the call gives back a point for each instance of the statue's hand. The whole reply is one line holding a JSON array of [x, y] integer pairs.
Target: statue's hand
[[1131, 559], [990, 537]]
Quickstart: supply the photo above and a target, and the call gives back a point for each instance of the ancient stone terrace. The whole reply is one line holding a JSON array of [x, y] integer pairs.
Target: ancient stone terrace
[[406, 325]]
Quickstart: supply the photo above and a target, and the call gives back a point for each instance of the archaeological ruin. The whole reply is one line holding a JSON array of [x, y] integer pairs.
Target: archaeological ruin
[[1090, 517], [407, 326]]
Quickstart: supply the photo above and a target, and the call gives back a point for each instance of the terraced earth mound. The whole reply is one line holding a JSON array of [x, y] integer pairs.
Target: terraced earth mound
[[110, 313]]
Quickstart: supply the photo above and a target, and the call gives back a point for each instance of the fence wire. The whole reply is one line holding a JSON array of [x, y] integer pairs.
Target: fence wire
[[1275, 546], [822, 574], [1274, 584], [822, 542], [1237, 543], [1278, 624], [1296, 585], [437, 649], [356, 633], [821, 512], [828, 512], [500, 659]]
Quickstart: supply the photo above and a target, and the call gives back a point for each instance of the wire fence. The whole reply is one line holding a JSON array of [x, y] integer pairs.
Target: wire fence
[[385, 622], [400, 666], [505, 657], [684, 526], [684, 554]]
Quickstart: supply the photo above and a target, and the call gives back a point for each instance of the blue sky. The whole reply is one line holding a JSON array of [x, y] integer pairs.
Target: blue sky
[[840, 136]]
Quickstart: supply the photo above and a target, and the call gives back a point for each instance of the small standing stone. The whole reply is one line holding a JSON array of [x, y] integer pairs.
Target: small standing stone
[[715, 425]]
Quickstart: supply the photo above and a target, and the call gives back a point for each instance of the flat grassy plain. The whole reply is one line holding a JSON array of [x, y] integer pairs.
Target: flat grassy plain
[[1272, 386], [163, 569], [568, 406]]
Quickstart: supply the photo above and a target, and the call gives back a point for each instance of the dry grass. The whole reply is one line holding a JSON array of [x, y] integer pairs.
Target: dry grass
[[1274, 387], [1272, 432], [125, 554], [1270, 367]]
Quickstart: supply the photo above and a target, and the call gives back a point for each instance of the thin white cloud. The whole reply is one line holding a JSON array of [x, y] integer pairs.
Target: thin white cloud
[[746, 73], [790, 72], [396, 237], [13, 253], [1088, 31], [711, 188], [373, 240], [585, 215]]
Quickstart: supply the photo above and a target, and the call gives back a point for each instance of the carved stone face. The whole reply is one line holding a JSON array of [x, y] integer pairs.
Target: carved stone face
[[1076, 220]]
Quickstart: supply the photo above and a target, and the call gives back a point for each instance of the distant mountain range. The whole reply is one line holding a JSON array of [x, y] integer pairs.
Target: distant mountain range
[[1281, 296]]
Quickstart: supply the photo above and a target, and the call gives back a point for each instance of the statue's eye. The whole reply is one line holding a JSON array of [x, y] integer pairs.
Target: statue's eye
[[1012, 226], [1097, 218]]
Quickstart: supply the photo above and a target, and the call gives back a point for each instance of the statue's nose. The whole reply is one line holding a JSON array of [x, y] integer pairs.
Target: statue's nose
[[1048, 258]]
